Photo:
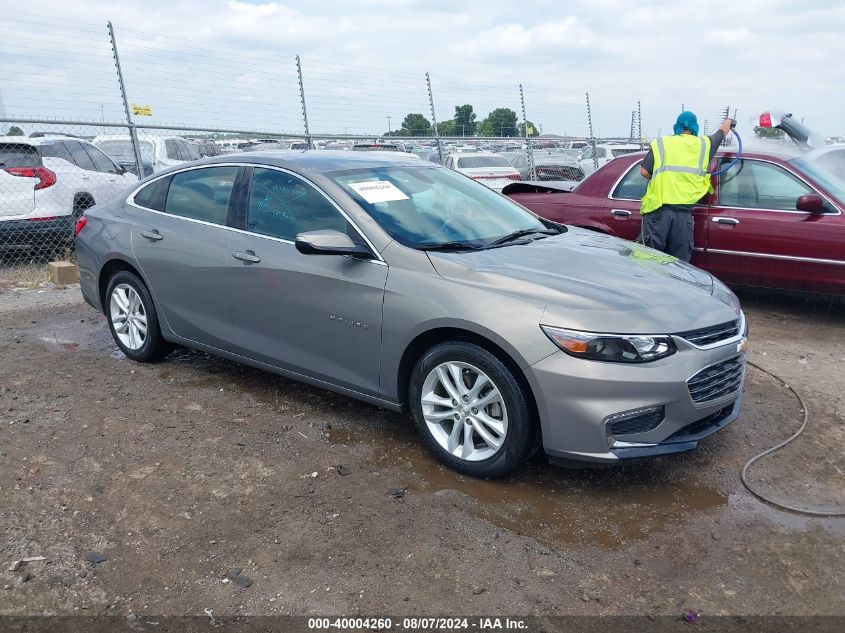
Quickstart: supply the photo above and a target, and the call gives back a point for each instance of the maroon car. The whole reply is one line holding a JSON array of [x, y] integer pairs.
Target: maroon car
[[775, 219]]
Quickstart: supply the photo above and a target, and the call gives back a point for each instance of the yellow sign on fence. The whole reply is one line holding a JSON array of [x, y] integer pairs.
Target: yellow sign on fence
[[142, 110]]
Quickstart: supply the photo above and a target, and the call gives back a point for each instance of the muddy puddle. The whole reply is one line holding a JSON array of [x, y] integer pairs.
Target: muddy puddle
[[69, 336], [557, 506]]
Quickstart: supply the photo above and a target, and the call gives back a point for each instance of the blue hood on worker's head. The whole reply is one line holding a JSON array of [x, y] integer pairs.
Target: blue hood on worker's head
[[686, 121]]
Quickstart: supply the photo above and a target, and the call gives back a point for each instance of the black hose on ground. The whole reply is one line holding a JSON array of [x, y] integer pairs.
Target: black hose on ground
[[833, 512]]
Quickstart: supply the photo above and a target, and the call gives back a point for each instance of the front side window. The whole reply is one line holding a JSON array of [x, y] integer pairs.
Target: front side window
[[80, 156], [756, 185], [430, 206], [282, 205], [202, 194], [101, 161], [632, 186]]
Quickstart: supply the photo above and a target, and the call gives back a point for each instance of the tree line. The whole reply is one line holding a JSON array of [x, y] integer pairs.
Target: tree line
[[499, 122]]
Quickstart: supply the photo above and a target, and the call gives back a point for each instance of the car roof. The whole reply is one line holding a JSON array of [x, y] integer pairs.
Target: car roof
[[40, 140], [324, 160]]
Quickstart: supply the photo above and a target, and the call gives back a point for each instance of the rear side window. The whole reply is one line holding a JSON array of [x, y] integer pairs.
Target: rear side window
[[18, 155], [55, 150], [171, 150], [153, 196], [79, 155], [202, 194]]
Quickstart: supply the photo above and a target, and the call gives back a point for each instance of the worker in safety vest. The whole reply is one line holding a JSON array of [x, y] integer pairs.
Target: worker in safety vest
[[677, 170]]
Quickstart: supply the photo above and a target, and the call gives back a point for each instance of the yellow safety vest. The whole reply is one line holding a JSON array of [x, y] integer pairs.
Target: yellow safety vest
[[680, 171]]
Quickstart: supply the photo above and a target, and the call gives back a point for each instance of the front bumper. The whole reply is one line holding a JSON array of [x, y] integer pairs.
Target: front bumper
[[577, 399]]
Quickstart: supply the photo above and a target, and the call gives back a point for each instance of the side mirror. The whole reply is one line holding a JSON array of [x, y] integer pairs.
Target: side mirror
[[811, 203], [120, 170], [330, 242]]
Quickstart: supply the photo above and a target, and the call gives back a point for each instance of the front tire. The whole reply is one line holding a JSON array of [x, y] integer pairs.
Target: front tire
[[132, 319], [471, 410]]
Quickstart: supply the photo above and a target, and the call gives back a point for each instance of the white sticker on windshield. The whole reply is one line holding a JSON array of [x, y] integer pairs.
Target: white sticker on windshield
[[378, 191]]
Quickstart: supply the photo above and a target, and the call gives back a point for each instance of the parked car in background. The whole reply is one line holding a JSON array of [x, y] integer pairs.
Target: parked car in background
[[406, 285], [548, 165], [207, 148], [378, 147], [491, 170], [266, 146], [157, 152], [775, 220], [605, 153], [46, 183]]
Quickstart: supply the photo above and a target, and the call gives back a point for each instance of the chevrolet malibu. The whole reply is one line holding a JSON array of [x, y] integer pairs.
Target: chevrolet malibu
[[412, 287]]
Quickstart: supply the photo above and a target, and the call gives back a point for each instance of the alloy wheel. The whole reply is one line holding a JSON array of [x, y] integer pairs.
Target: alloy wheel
[[464, 411], [128, 316]]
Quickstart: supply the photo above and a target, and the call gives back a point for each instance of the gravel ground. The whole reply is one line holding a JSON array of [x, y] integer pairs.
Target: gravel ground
[[202, 484]]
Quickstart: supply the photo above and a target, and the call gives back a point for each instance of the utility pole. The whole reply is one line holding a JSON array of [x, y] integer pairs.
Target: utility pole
[[133, 134], [592, 138], [302, 97], [434, 118], [389, 130], [639, 124], [532, 175], [102, 113]]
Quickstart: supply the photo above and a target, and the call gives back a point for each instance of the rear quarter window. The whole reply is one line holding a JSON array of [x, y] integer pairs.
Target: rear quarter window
[[154, 195], [18, 155]]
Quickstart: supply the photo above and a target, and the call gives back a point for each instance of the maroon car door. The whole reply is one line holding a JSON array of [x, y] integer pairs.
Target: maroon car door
[[622, 213], [757, 237]]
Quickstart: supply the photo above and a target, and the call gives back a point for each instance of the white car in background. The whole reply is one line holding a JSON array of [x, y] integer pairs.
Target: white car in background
[[46, 183], [157, 152], [489, 169], [605, 152]]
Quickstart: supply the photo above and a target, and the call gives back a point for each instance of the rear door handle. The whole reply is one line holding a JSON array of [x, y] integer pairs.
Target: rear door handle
[[620, 213], [246, 256], [726, 221], [153, 235]]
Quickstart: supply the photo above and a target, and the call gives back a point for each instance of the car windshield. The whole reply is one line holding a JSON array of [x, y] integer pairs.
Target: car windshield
[[821, 174], [121, 151], [431, 206], [621, 151], [470, 162]]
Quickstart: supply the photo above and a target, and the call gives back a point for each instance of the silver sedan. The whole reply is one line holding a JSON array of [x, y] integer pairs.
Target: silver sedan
[[412, 287]]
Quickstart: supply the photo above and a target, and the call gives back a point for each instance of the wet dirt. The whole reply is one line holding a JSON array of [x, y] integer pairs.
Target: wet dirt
[[182, 470]]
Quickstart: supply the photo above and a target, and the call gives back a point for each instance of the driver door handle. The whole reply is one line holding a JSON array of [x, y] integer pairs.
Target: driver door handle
[[153, 235], [246, 256], [721, 220], [620, 213]]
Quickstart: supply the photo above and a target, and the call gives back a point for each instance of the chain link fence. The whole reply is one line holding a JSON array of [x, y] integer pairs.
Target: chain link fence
[[118, 104]]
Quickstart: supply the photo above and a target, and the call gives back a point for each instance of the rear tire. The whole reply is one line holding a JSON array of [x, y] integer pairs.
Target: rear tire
[[471, 410], [133, 320]]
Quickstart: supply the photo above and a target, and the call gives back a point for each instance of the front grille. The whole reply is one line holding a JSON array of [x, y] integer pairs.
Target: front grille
[[699, 426], [717, 381], [638, 423], [713, 334]]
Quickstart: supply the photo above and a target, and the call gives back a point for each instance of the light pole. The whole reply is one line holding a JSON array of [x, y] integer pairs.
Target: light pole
[[389, 130]]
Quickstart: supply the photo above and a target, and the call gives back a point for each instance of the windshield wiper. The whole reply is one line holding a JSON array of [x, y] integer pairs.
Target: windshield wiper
[[451, 246], [518, 234]]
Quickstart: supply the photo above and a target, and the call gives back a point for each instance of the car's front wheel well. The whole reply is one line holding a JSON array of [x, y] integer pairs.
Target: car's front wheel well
[[108, 271], [425, 341]]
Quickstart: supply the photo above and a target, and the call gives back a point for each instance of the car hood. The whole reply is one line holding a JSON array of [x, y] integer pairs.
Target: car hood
[[596, 282]]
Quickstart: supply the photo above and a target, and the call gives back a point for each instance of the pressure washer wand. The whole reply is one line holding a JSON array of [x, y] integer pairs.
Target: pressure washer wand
[[738, 154]]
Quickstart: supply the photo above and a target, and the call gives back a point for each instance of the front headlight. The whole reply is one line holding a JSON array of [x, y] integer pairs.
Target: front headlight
[[615, 348]]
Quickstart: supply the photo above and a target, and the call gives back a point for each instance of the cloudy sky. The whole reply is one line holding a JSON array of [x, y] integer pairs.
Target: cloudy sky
[[232, 62]]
